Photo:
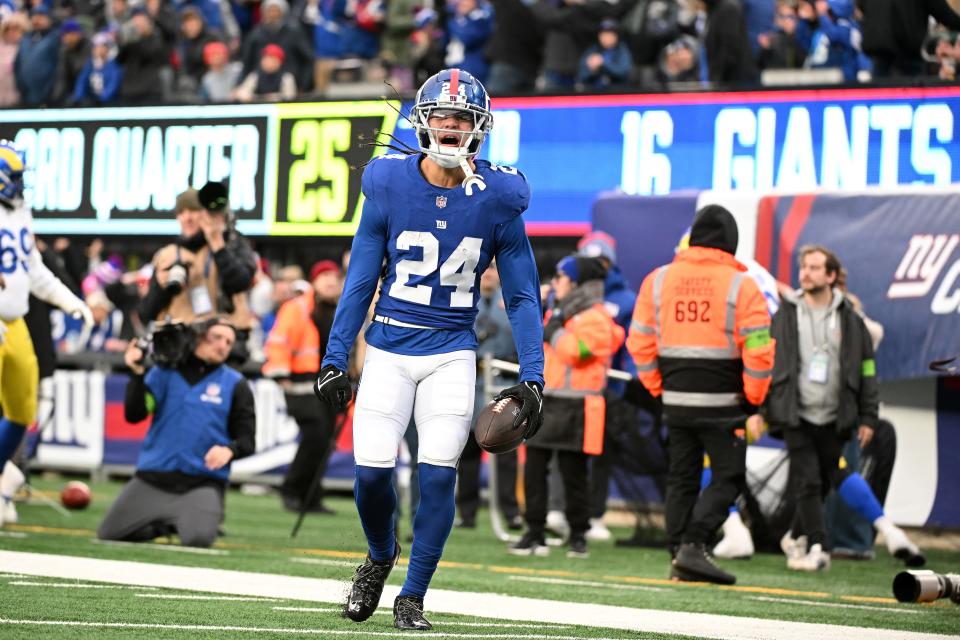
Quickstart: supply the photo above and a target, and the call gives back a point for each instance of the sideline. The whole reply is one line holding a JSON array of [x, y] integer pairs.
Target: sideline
[[440, 601]]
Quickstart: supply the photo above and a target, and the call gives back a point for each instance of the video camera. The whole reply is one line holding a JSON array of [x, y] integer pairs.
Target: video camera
[[169, 344], [926, 586]]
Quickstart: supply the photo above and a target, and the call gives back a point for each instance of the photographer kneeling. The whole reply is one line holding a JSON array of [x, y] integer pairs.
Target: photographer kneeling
[[203, 418]]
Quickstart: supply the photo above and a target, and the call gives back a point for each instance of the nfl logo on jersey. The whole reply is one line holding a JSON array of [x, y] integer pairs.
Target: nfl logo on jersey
[[441, 202]]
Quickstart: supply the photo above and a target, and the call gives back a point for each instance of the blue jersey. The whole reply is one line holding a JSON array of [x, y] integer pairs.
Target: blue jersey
[[434, 243]]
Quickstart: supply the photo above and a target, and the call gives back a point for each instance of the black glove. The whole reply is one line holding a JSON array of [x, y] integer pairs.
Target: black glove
[[531, 395], [333, 387], [554, 324]]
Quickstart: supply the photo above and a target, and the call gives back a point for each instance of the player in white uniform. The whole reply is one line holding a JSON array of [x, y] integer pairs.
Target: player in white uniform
[[22, 272]]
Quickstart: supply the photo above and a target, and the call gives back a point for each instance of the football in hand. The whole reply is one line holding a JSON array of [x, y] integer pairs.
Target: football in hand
[[494, 430], [75, 495]]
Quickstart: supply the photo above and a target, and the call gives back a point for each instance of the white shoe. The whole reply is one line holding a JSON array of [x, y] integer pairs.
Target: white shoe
[[11, 480], [793, 547], [598, 531], [557, 523], [737, 541], [8, 512], [814, 560], [900, 546]]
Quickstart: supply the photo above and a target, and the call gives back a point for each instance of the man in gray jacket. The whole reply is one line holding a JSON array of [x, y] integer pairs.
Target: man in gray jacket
[[824, 389]]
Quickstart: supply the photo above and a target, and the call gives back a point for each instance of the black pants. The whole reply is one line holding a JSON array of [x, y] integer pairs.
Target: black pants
[[316, 421], [814, 469], [468, 482], [573, 471], [693, 516]]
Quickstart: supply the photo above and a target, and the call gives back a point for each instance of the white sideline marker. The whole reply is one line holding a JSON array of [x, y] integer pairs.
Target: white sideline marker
[[162, 547], [176, 596], [504, 608]]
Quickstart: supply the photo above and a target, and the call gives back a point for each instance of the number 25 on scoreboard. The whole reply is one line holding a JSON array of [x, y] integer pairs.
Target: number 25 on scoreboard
[[320, 180]]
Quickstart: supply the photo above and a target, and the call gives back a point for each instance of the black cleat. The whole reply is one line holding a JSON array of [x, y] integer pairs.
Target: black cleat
[[578, 547], [367, 587], [693, 564], [408, 614]]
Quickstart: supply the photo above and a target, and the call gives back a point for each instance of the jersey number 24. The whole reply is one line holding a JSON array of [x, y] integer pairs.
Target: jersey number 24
[[459, 270]]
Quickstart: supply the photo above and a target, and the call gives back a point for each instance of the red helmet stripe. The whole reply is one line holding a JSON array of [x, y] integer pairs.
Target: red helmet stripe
[[454, 82]]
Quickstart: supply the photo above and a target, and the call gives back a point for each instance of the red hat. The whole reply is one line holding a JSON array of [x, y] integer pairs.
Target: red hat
[[322, 267], [211, 49], [274, 50]]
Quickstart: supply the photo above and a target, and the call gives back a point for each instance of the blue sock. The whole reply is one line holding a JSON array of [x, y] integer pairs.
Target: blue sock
[[376, 502], [11, 433], [859, 496], [431, 526]]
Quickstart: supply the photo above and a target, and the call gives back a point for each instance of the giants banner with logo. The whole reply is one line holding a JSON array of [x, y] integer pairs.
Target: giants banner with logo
[[901, 254]]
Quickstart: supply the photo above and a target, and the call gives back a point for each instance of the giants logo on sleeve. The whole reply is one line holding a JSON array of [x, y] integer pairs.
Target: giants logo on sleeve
[[920, 269]]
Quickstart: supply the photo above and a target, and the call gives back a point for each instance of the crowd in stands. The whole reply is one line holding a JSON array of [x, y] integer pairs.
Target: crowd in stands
[[97, 52]]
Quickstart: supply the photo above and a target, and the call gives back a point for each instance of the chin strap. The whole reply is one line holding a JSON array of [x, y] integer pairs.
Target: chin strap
[[472, 180]]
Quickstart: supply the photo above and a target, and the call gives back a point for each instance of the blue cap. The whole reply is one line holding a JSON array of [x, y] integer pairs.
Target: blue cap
[[71, 26]]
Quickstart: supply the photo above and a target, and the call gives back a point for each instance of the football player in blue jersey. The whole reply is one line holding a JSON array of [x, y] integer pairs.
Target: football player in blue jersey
[[438, 217]]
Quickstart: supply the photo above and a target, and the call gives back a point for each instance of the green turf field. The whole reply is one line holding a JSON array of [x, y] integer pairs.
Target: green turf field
[[258, 540]]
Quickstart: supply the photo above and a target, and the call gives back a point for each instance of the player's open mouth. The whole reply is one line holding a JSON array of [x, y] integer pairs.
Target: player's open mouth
[[450, 140]]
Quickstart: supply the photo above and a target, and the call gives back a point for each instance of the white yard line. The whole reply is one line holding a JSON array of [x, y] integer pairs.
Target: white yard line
[[838, 605], [585, 583], [13, 534], [325, 562], [162, 547], [311, 632], [67, 585], [504, 608], [172, 596], [455, 623]]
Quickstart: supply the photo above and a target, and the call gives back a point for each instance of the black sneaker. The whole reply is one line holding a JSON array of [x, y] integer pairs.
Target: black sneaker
[[530, 545], [694, 564], [367, 587], [408, 614], [578, 548]]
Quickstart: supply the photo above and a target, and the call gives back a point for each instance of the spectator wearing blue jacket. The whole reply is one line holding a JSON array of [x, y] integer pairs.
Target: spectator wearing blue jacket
[[329, 20], [37, 60], [99, 81], [606, 63], [831, 37], [469, 28], [759, 17]]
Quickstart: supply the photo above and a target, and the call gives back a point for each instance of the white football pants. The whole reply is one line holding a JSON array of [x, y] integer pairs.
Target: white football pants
[[437, 389]]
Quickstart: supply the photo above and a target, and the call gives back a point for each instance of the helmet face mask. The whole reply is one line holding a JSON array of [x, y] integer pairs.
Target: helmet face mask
[[452, 93], [12, 165]]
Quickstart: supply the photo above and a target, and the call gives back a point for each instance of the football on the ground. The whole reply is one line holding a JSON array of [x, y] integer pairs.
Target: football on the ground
[[75, 495], [494, 430]]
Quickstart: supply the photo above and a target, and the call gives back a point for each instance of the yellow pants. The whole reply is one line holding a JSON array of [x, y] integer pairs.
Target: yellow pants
[[18, 374]]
